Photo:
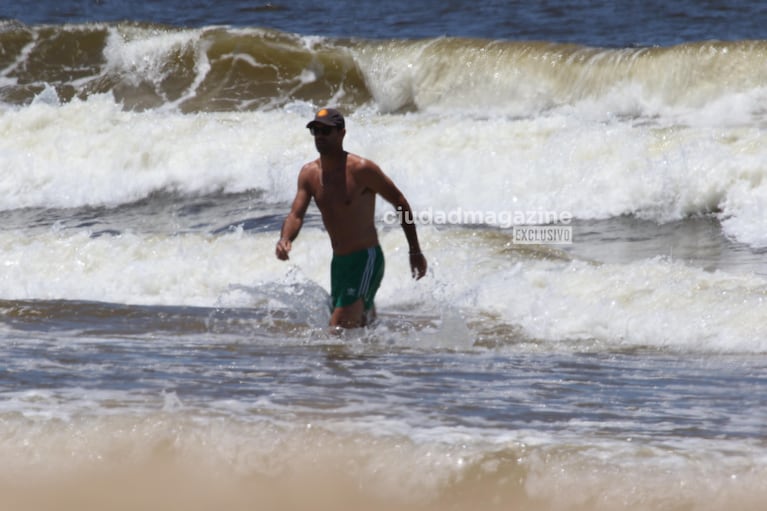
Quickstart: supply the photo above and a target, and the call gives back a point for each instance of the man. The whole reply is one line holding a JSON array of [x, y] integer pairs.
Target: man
[[344, 187]]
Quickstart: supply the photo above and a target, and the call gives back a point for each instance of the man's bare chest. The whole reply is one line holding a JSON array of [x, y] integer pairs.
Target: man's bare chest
[[337, 191]]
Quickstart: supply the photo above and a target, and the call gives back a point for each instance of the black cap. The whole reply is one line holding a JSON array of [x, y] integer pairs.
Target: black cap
[[328, 117]]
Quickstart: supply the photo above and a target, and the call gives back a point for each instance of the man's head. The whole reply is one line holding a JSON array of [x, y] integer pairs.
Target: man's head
[[328, 129]]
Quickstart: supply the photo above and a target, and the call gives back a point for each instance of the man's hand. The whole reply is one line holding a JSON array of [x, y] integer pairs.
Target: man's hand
[[418, 265], [283, 247]]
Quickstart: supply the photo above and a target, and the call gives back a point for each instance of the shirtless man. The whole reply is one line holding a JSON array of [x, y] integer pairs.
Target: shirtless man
[[344, 187]]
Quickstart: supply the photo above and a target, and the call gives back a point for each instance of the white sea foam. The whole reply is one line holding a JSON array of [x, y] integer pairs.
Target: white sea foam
[[654, 302], [93, 153]]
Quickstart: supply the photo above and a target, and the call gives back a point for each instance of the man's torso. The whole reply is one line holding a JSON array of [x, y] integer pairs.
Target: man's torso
[[347, 206]]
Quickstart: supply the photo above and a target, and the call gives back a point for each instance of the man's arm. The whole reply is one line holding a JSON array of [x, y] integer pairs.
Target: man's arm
[[295, 219], [374, 178]]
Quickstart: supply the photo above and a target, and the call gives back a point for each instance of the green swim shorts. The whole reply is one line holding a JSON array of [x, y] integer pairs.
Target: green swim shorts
[[356, 275]]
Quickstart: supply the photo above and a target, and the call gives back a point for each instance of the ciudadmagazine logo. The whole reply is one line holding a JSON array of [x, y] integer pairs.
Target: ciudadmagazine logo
[[531, 227]]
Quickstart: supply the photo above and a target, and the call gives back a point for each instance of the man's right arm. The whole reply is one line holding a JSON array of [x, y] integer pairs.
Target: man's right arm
[[295, 219]]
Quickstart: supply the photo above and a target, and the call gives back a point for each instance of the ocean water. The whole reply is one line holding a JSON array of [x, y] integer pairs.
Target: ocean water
[[154, 353]]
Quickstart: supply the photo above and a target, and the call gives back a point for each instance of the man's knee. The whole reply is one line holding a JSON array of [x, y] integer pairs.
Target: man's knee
[[350, 316]]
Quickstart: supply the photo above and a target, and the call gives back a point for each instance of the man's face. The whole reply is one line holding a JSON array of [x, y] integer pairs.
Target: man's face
[[327, 139]]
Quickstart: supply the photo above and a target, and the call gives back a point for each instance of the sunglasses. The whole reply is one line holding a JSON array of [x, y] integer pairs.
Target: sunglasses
[[321, 130]]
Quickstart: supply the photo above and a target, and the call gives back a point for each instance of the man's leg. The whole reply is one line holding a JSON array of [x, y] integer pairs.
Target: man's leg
[[349, 316]]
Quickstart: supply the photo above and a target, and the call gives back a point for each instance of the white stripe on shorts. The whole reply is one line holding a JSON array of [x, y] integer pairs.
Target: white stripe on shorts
[[367, 275]]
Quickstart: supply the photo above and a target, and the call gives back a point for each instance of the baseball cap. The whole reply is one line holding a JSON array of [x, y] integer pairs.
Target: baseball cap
[[328, 117]]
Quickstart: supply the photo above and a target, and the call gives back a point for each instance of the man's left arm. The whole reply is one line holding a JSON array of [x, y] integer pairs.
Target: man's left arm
[[380, 183]]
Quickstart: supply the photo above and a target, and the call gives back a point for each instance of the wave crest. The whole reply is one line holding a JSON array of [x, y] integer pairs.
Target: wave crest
[[227, 69]]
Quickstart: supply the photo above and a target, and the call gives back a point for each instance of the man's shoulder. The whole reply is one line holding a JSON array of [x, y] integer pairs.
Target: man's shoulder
[[311, 166], [357, 163], [308, 173], [309, 169]]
